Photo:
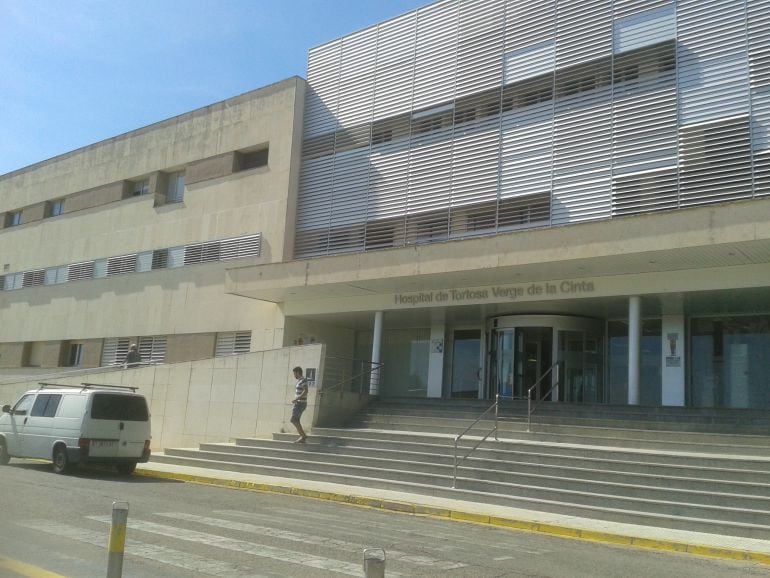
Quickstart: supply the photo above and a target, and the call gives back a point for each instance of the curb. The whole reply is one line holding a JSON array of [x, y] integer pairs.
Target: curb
[[470, 517]]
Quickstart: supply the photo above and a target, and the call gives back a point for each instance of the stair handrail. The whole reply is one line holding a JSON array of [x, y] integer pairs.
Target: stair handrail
[[530, 408], [482, 440], [339, 385]]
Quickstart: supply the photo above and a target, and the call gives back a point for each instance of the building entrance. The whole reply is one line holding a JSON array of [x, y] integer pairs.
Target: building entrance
[[522, 351]]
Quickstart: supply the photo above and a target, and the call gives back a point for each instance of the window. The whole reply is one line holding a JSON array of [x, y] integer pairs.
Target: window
[[78, 271], [54, 208], [121, 265], [75, 358], [46, 405], [233, 343], [115, 350], [175, 187], [152, 349], [140, 187], [119, 407], [160, 259], [33, 278], [23, 406], [252, 159], [13, 219]]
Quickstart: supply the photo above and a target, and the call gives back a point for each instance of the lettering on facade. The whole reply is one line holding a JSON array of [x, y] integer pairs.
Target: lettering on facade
[[496, 293]]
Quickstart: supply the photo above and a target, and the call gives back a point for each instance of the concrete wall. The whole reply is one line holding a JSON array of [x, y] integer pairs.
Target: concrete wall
[[102, 220], [211, 400]]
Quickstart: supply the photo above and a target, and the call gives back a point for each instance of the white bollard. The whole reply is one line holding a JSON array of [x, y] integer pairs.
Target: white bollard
[[117, 539], [374, 563]]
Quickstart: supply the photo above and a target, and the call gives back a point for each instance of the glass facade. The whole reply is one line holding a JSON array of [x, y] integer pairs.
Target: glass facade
[[405, 355], [650, 372], [730, 361]]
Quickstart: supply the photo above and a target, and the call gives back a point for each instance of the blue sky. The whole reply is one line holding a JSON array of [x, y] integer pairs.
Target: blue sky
[[76, 72]]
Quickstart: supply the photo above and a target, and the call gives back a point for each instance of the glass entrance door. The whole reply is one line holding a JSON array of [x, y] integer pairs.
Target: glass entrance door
[[466, 363], [523, 350]]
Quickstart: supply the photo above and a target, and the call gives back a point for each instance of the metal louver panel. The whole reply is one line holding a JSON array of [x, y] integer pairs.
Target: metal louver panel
[[395, 66], [644, 123], [436, 54], [758, 19], [232, 343], [529, 22], [321, 98], [239, 247], [713, 77], [643, 28], [356, 84], [584, 31], [114, 350], [121, 265], [79, 271], [152, 349], [480, 46], [33, 278]]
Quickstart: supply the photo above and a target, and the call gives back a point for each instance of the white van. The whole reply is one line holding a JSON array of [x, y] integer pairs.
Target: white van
[[79, 424]]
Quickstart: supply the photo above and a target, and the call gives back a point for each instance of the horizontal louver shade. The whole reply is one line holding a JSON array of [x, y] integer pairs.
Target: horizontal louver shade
[[121, 265], [79, 271], [114, 351], [234, 248], [482, 114], [152, 349], [233, 343]]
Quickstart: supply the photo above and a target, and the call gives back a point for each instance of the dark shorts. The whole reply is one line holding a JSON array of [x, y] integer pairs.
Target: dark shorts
[[296, 412]]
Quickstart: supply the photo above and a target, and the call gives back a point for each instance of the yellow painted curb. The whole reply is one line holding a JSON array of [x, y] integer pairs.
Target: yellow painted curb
[[460, 516], [27, 570]]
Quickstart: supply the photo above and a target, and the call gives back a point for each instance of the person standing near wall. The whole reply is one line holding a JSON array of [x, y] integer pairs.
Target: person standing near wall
[[133, 358], [300, 404]]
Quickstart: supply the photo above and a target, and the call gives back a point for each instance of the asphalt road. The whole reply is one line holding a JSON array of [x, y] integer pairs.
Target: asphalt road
[[61, 524]]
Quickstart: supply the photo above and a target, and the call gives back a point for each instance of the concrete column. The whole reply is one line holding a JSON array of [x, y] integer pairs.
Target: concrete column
[[374, 384], [634, 347]]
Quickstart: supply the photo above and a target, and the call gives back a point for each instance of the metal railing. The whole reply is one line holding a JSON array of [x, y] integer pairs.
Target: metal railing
[[345, 374], [530, 407], [457, 462]]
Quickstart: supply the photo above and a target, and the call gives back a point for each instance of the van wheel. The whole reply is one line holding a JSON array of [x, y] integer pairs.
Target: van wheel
[[4, 457], [126, 468], [61, 463]]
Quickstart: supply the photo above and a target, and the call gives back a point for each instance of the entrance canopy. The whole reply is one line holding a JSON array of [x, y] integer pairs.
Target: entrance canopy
[[592, 265]]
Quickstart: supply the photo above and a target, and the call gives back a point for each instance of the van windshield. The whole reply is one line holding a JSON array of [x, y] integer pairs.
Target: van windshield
[[119, 407]]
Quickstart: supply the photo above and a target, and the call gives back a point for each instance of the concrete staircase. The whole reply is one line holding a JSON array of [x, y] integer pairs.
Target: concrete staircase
[[680, 468]]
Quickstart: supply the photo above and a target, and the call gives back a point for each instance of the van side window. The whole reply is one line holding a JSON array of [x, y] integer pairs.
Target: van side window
[[46, 404], [24, 404], [119, 407]]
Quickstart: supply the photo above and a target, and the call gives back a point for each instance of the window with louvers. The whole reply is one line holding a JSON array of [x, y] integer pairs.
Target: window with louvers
[[233, 343], [33, 278], [79, 271], [114, 350], [152, 349], [121, 265]]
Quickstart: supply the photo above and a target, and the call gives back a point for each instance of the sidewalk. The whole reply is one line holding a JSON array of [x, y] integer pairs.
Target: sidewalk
[[698, 543]]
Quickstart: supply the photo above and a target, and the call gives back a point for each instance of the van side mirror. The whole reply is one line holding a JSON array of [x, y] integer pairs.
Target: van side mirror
[[6, 408]]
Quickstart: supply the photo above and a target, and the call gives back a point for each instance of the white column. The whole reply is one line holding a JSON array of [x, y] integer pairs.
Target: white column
[[436, 359], [634, 347], [374, 384], [672, 329]]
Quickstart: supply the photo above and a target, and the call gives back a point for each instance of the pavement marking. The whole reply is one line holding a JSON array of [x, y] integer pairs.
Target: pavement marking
[[177, 558], [310, 539], [233, 545], [27, 570], [727, 553], [362, 528]]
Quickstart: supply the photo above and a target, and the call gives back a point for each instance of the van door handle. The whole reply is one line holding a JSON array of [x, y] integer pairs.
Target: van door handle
[[122, 425], [25, 420]]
